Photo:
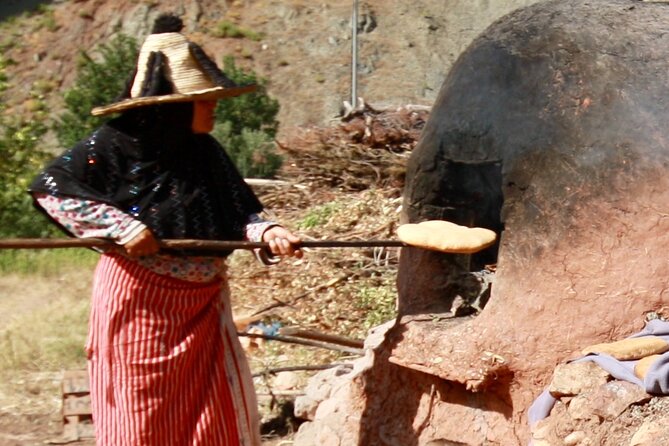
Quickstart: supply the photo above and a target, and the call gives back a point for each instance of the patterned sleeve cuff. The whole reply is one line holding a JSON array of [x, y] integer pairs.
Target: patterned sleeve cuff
[[256, 227], [130, 232]]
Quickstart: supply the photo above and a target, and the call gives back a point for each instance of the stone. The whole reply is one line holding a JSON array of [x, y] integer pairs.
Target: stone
[[575, 438], [306, 434], [286, 381], [328, 437], [607, 401], [613, 398], [318, 389], [541, 430], [652, 433], [576, 377], [305, 407], [579, 408]]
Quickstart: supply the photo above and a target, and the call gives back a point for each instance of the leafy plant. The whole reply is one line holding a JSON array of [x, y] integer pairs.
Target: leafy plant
[[229, 29], [252, 151], [246, 125], [3, 78], [98, 83], [22, 157], [378, 302], [254, 111], [318, 216]]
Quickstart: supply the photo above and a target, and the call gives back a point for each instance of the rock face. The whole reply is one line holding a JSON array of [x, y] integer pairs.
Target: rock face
[[550, 129], [305, 54]]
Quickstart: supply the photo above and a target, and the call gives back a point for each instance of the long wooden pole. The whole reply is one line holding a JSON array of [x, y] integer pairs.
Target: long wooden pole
[[210, 245]]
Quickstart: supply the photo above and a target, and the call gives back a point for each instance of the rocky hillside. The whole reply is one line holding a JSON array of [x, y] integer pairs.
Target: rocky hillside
[[303, 48]]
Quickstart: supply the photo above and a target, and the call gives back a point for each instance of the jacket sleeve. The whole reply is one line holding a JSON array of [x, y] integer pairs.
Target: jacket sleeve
[[90, 219]]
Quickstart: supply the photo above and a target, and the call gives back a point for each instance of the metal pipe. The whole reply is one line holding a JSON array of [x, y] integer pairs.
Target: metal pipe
[[354, 56]]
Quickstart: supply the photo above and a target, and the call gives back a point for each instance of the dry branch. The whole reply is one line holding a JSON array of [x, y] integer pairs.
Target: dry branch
[[370, 149], [318, 336], [294, 340], [300, 368]]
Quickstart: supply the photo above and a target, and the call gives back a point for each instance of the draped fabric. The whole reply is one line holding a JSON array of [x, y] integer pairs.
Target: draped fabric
[[165, 367], [150, 164]]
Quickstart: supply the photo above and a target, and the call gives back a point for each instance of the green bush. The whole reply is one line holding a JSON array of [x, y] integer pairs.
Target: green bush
[[98, 83], [246, 125], [254, 111], [19, 150], [252, 151], [3, 79], [378, 301], [318, 216], [229, 29]]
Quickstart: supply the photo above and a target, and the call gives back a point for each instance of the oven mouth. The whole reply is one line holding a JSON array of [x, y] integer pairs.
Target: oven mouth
[[468, 193]]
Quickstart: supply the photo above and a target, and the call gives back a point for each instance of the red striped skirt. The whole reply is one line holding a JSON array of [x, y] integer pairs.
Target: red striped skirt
[[165, 364]]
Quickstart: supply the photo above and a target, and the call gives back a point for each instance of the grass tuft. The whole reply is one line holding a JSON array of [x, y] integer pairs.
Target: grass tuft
[[45, 263], [229, 29], [319, 216], [49, 338]]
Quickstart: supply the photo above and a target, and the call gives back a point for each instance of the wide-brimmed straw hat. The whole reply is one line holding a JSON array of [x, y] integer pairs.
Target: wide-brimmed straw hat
[[170, 68]]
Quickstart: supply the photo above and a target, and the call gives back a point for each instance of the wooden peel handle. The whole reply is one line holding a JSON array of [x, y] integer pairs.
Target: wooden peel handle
[[212, 245]]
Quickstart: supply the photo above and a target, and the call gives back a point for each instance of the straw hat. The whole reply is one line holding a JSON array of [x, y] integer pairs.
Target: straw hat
[[170, 68]]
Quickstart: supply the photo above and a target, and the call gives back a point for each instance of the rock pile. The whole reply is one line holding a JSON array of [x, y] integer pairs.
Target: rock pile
[[594, 409]]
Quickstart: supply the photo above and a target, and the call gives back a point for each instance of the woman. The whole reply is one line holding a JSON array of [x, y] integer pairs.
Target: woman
[[165, 364]]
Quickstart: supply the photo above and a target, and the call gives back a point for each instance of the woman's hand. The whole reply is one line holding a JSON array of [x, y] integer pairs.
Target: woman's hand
[[143, 244], [282, 242]]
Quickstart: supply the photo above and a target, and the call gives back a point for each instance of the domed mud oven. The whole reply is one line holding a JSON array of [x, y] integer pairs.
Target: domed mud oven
[[552, 130]]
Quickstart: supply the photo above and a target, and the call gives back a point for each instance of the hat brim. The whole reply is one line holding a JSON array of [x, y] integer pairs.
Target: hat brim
[[209, 94]]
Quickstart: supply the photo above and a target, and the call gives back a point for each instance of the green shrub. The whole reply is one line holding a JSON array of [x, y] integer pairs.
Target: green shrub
[[246, 125], [252, 151], [19, 150], [378, 301], [318, 216], [254, 111], [3, 78], [98, 83], [229, 29]]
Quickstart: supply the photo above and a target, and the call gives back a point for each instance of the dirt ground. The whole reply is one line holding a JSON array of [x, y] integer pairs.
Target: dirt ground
[[332, 291], [302, 293]]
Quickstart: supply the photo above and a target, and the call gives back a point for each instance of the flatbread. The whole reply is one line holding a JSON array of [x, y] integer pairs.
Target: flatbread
[[444, 236], [630, 348], [641, 367]]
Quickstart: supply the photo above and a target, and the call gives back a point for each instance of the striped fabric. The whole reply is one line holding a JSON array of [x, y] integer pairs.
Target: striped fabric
[[165, 364]]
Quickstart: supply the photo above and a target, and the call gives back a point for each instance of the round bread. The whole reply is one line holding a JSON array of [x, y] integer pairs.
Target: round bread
[[642, 366], [630, 348], [444, 236]]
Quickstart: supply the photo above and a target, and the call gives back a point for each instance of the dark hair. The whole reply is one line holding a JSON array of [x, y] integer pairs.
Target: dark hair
[[167, 23], [156, 83], [209, 67]]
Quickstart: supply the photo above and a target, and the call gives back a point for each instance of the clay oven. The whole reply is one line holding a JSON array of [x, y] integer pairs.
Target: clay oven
[[553, 129]]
